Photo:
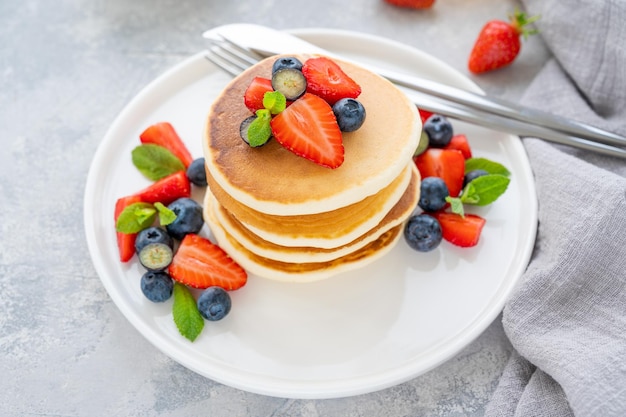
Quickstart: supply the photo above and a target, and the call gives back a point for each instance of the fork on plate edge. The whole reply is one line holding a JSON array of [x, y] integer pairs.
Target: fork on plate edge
[[453, 102]]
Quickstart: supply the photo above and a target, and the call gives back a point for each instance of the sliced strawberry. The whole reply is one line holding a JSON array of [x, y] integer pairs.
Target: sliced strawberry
[[460, 230], [424, 114], [167, 189], [326, 79], [309, 129], [125, 241], [460, 143], [447, 164], [253, 97], [163, 134], [199, 263], [412, 4]]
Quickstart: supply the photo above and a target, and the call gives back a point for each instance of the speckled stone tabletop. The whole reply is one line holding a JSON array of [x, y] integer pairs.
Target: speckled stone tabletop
[[67, 68]]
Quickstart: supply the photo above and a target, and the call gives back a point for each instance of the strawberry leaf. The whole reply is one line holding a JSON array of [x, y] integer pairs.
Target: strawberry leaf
[[155, 161], [135, 217], [185, 311]]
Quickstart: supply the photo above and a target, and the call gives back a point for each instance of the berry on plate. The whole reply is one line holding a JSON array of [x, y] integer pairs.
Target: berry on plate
[[199, 263], [447, 164], [197, 172], [166, 190], [412, 4], [163, 134], [188, 218], [460, 230], [157, 286], [460, 143], [433, 193], [422, 232], [326, 79], [214, 303], [439, 130], [309, 129], [498, 42], [125, 241]]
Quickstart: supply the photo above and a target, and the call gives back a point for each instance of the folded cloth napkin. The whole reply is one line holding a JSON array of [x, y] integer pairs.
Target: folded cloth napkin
[[567, 318]]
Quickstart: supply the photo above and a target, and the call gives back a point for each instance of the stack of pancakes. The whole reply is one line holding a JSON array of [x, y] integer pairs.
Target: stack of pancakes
[[284, 217]]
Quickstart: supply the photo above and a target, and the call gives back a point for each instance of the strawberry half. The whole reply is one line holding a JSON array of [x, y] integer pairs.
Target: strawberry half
[[167, 189], [163, 134], [309, 129], [125, 241], [460, 143], [199, 263], [447, 164], [253, 97], [460, 230], [326, 79], [412, 4], [424, 114]]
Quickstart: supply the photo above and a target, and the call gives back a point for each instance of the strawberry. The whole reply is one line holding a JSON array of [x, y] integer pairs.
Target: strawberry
[[424, 114], [447, 164], [412, 4], [326, 79], [309, 129], [125, 241], [498, 43], [199, 263], [253, 97], [163, 134], [460, 230], [167, 189], [460, 143]]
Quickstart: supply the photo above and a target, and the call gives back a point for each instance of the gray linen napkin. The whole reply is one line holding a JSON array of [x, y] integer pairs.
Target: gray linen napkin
[[567, 318]]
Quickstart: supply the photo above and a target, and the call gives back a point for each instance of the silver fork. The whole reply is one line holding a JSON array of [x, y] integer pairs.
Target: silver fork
[[234, 59]]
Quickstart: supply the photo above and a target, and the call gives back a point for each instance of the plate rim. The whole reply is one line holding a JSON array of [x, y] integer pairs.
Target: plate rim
[[360, 384]]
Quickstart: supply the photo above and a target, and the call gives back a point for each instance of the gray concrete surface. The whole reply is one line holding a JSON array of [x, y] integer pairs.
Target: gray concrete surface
[[67, 68]]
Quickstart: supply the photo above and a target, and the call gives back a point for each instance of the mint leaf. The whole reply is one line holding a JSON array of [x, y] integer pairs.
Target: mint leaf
[[260, 131], [185, 311], [135, 217], [166, 216], [487, 165], [155, 162], [274, 101], [456, 205], [485, 190]]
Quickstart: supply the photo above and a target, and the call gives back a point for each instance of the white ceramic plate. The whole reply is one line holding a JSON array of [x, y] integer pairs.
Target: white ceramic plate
[[355, 333]]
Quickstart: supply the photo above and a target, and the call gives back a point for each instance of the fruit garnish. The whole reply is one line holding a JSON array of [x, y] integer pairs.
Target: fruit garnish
[[139, 216], [433, 194], [422, 145], [253, 97], [256, 130], [185, 311], [424, 114], [447, 164], [155, 161], [326, 79], [188, 218], [460, 143], [214, 303], [167, 189], [459, 230], [155, 256], [199, 263], [423, 232], [350, 114], [309, 129], [439, 130], [290, 82], [163, 134], [153, 234], [196, 172], [412, 4], [286, 62], [157, 286], [125, 241], [498, 42]]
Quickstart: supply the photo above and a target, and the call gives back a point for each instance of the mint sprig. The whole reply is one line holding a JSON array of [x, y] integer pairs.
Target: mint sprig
[[487, 165], [274, 101], [481, 191], [185, 311], [138, 216], [155, 161], [260, 130]]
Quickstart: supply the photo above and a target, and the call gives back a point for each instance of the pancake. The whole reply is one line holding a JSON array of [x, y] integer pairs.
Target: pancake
[[306, 271], [255, 244], [324, 230], [273, 180]]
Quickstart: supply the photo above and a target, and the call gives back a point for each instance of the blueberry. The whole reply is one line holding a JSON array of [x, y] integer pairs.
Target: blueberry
[[197, 173], [188, 218], [152, 235], [472, 175], [350, 114], [439, 130], [290, 82], [214, 303], [423, 232], [157, 286], [156, 256], [286, 62], [433, 193]]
